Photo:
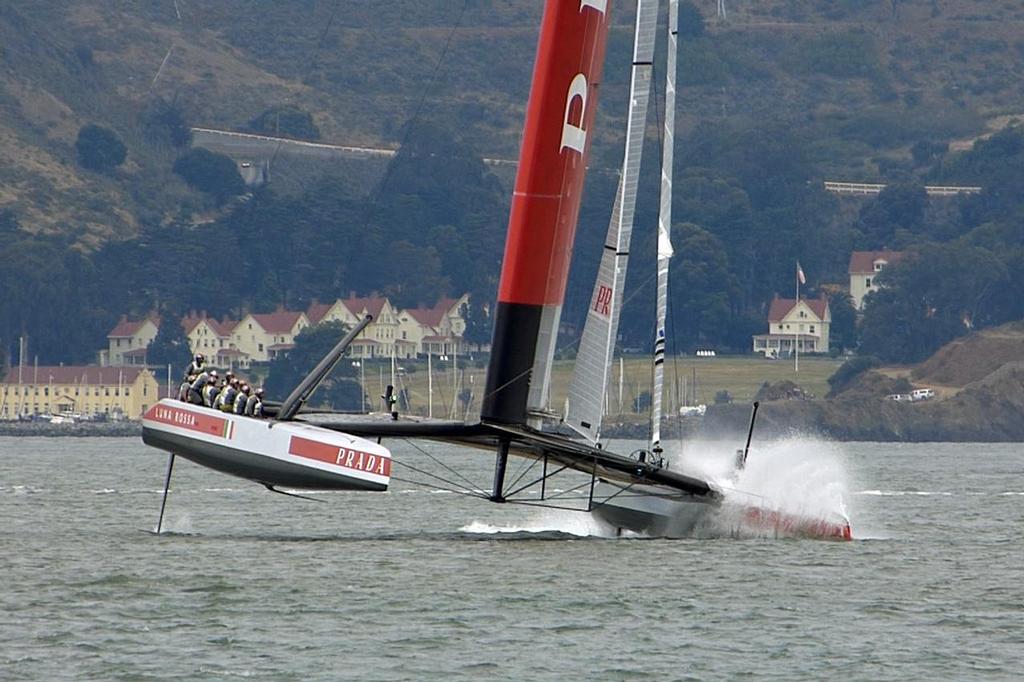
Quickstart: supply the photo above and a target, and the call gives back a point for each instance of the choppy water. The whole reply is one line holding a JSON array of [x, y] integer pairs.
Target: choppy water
[[414, 584]]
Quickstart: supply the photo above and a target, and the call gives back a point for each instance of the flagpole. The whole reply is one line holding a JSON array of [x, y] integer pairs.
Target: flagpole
[[796, 339]]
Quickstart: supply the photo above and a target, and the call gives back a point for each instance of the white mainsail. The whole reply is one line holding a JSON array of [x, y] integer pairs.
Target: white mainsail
[[593, 361], [664, 226]]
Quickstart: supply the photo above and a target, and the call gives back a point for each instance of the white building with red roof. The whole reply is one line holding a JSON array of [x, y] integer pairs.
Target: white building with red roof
[[84, 390], [262, 336], [212, 338], [437, 330], [127, 342], [864, 269], [793, 325], [379, 339]]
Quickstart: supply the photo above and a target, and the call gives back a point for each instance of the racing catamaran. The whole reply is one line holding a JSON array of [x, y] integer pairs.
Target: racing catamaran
[[638, 491]]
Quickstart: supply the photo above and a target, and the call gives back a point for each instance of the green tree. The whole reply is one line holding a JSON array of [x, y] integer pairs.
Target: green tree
[[99, 149], [898, 206], [850, 370], [937, 295], [478, 323], [170, 346], [843, 333], [339, 391], [165, 122], [701, 285], [209, 172]]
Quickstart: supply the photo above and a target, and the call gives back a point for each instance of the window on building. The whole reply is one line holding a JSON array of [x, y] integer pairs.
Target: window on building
[[106, 391], [812, 328], [261, 347], [867, 282]]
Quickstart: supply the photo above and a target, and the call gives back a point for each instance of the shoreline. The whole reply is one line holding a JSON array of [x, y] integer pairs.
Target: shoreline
[[124, 429]]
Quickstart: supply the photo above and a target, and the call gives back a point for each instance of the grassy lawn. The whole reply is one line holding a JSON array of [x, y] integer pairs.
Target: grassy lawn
[[741, 376]]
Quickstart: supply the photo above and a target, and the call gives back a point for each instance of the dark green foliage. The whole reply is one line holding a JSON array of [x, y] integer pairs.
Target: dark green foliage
[[898, 206], [850, 370], [339, 391], [702, 288], [170, 346], [286, 121], [723, 397], [54, 297], [478, 323], [99, 149], [209, 172], [843, 332], [165, 123], [938, 295], [84, 54]]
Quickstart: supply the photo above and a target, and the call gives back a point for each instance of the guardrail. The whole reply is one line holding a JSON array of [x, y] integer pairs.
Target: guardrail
[[866, 188]]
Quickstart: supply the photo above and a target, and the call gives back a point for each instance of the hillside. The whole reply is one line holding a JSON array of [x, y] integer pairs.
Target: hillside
[[864, 81], [980, 397], [107, 209]]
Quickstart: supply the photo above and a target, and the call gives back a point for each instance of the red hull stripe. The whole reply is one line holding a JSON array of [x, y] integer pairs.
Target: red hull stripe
[[193, 421], [553, 157], [340, 456], [790, 525]]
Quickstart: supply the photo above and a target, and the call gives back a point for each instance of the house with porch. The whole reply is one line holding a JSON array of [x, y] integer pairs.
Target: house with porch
[[864, 269], [262, 336], [437, 330], [127, 342], [379, 338], [795, 326]]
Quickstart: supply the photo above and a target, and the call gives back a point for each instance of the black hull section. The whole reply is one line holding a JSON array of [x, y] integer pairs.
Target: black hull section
[[254, 467], [514, 345]]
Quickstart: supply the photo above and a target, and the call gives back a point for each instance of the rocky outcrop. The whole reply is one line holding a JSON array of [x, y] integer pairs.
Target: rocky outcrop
[[988, 410]]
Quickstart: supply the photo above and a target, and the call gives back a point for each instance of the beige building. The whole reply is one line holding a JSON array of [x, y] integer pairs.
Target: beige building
[[437, 330], [262, 336], [795, 325], [83, 390], [127, 342], [380, 339], [213, 339], [864, 268]]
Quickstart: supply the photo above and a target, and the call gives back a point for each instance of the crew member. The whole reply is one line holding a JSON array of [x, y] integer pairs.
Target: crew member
[[226, 398], [241, 399], [196, 368], [183, 389], [195, 391], [254, 405], [211, 389]]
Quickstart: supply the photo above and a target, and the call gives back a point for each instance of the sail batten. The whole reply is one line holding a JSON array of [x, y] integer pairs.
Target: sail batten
[[593, 360], [664, 226]]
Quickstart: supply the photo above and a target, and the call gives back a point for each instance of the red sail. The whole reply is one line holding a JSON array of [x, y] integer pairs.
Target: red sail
[[545, 206], [552, 160]]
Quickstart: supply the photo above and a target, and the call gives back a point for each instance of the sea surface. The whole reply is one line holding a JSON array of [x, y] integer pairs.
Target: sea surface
[[423, 584]]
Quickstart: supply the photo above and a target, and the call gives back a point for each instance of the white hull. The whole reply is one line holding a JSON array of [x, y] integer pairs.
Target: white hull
[[289, 454], [654, 512]]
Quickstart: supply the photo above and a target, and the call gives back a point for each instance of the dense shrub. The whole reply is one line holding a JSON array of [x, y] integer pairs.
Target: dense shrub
[[211, 173], [99, 148]]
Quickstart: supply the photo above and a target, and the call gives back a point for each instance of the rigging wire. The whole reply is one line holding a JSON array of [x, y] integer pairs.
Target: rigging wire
[[422, 101], [472, 486]]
